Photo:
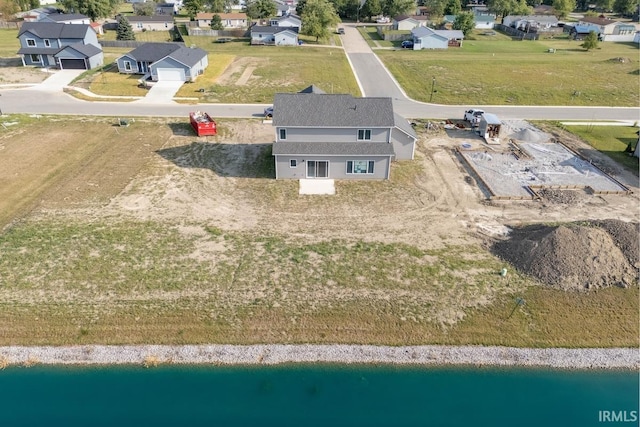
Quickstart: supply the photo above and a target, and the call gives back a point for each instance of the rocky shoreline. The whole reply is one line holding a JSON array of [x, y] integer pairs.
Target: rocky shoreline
[[271, 354]]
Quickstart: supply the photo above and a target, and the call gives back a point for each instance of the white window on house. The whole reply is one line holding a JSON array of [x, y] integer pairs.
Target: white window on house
[[31, 42], [364, 134], [283, 134], [360, 166], [47, 43], [127, 66], [293, 163], [166, 25], [139, 24], [35, 59]]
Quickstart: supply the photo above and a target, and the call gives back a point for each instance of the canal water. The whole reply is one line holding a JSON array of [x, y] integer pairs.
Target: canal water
[[315, 395]]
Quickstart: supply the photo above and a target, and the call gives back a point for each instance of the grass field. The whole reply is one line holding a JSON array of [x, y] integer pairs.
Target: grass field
[[497, 71], [95, 249], [9, 43], [611, 140]]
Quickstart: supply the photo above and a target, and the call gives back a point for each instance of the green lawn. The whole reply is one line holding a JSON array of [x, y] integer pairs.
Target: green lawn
[[612, 141], [495, 70], [9, 43]]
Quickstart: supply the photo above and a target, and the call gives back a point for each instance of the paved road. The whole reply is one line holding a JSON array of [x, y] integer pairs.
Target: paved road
[[372, 76], [375, 80]]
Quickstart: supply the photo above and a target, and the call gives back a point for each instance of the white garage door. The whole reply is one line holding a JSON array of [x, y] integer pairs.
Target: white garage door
[[171, 74]]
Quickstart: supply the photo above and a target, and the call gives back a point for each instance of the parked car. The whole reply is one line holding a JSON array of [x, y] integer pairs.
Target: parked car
[[223, 40], [340, 30], [383, 20], [473, 114], [407, 44], [268, 112]]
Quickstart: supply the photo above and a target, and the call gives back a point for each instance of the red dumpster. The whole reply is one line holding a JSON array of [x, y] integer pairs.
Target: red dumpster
[[202, 123]]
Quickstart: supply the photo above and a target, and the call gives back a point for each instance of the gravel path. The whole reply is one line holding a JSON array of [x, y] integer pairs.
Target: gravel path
[[591, 358]]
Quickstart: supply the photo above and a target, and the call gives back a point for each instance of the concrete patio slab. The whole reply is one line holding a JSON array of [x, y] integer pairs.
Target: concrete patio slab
[[317, 186]]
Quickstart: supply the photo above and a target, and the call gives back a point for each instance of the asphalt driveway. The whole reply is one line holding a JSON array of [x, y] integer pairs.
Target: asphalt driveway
[[161, 92]]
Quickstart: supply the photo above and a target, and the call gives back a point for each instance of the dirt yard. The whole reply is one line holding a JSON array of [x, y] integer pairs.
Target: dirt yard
[[12, 72], [90, 171]]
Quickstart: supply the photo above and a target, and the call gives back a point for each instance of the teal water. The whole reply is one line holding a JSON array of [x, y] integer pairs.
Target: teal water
[[312, 395]]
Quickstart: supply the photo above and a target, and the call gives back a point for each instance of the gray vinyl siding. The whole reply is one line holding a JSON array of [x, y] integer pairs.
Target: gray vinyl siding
[[431, 42], [286, 39], [96, 60], [134, 65], [39, 42], [332, 134], [403, 145], [337, 167]]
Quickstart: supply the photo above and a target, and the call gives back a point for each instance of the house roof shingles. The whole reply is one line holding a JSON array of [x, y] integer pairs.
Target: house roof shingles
[[54, 30], [272, 30], [333, 148], [188, 56], [151, 52], [88, 50], [154, 18], [331, 110], [60, 17]]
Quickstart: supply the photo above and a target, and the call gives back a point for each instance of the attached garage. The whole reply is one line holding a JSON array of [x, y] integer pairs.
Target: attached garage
[[171, 74], [73, 64]]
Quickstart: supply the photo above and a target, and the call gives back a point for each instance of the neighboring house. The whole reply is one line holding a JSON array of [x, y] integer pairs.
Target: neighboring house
[[164, 62], [579, 32], [636, 38], [67, 46], [97, 27], [484, 21], [611, 30], [167, 8], [278, 36], [34, 15], [65, 18], [408, 23], [285, 7], [427, 38], [540, 21], [290, 21], [229, 20], [151, 23], [333, 136]]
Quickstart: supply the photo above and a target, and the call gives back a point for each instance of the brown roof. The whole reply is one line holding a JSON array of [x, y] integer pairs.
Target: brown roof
[[598, 21]]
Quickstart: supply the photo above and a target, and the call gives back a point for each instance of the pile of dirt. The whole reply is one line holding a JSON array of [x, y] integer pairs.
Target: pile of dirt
[[625, 236], [574, 256]]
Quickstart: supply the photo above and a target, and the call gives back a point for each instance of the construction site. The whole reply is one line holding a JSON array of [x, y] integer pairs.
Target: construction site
[[526, 160]]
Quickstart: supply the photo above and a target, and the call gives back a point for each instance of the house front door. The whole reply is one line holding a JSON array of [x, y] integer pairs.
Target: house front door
[[317, 169]]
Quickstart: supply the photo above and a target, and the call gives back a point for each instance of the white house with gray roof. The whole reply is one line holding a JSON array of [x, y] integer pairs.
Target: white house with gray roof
[[428, 38], [274, 36], [337, 136]]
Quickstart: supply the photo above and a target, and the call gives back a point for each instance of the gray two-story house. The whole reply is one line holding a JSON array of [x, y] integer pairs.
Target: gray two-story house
[[66, 46], [337, 136]]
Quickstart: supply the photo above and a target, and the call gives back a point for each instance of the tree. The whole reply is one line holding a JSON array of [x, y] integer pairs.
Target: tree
[[453, 7], [563, 7], [590, 41], [509, 7], [260, 9], [464, 22], [216, 23], [217, 6], [145, 9], [192, 7], [625, 7], [397, 7], [436, 7], [94, 9], [317, 17], [605, 5], [8, 8], [22, 5], [371, 8], [124, 31]]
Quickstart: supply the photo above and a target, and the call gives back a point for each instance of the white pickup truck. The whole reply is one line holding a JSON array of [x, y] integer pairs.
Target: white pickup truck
[[473, 115]]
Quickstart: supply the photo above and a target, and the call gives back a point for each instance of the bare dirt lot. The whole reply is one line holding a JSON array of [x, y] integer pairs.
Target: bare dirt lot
[[192, 240], [12, 72]]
